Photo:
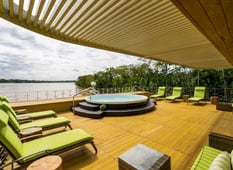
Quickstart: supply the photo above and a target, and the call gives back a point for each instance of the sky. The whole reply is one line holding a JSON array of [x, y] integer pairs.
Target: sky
[[30, 56]]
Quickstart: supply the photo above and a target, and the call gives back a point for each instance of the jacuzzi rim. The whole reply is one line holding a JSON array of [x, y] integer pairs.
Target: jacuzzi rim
[[135, 101]]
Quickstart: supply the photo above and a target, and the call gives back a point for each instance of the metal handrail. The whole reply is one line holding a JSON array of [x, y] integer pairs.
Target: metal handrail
[[89, 89]]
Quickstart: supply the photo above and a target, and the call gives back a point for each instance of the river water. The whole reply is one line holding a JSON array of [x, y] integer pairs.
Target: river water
[[36, 91]]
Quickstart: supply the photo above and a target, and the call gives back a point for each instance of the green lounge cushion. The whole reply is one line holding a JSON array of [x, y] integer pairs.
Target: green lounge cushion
[[195, 99], [205, 158], [8, 137], [221, 162], [3, 119], [199, 94], [4, 99], [45, 123], [161, 92], [172, 97], [56, 142], [33, 115], [176, 93]]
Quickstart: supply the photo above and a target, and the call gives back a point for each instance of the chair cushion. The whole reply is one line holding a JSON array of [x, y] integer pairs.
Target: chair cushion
[[205, 158], [34, 115], [3, 119], [56, 142], [44, 123], [221, 162]]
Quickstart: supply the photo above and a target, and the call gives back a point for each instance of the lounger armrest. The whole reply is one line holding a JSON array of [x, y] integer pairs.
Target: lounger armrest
[[27, 128], [46, 151], [24, 119], [220, 141], [31, 137], [21, 111]]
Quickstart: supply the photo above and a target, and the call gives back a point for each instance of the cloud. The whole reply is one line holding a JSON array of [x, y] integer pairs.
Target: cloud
[[28, 55]]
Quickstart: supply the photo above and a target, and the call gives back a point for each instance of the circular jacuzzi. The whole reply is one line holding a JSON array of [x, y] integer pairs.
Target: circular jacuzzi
[[116, 99], [99, 105]]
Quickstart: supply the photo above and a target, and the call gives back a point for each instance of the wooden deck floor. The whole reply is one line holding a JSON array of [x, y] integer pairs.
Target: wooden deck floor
[[176, 129]]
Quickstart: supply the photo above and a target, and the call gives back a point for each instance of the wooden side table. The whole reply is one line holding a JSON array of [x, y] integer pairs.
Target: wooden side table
[[214, 99], [52, 162], [185, 98]]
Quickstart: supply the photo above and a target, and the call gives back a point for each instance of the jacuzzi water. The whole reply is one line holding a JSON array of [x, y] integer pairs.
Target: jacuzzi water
[[116, 99]]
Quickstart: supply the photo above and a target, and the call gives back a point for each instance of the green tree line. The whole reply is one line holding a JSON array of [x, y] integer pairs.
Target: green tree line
[[152, 75]]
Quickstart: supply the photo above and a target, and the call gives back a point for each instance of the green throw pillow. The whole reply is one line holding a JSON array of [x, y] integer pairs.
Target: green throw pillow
[[221, 162]]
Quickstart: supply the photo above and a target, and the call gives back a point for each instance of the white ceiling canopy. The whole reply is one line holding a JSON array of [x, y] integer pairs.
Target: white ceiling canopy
[[195, 34]]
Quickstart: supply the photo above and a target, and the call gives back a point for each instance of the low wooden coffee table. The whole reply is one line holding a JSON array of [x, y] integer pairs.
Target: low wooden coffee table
[[143, 158], [52, 162]]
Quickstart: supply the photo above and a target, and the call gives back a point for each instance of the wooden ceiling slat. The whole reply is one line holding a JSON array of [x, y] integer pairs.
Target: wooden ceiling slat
[[124, 23], [97, 18], [114, 13], [87, 11], [35, 22], [1, 6], [11, 8], [29, 12], [153, 30], [52, 2], [89, 15], [65, 24], [55, 14], [111, 25], [227, 10], [63, 16], [145, 22], [214, 10], [198, 16], [20, 17]]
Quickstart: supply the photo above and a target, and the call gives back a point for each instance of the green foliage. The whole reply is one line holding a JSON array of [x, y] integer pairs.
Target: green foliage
[[152, 75]]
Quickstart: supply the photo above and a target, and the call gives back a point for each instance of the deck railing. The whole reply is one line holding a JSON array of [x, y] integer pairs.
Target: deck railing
[[225, 95]]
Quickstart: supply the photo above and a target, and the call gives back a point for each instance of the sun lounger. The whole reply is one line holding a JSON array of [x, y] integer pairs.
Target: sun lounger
[[161, 93], [176, 93], [24, 153], [32, 116], [45, 124], [199, 94]]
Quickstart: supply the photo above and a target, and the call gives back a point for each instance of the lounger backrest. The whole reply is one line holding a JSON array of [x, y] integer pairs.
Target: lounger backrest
[[176, 91], [12, 120], [4, 99], [199, 92], [161, 91], [8, 138], [8, 107]]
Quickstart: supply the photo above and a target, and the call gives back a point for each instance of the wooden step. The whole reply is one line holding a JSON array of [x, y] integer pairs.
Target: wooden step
[[88, 106], [130, 111], [87, 113]]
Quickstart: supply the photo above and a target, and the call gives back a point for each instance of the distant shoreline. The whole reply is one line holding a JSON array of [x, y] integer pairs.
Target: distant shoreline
[[34, 81]]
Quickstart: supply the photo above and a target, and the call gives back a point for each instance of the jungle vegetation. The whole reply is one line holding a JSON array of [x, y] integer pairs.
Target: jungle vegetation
[[153, 74]]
